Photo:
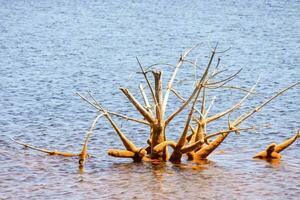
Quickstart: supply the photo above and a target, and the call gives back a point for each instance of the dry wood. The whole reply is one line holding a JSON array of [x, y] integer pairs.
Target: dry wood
[[194, 141], [273, 150], [170, 83], [146, 101], [176, 155], [234, 107], [200, 84], [193, 146], [84, 152], [258, 108], [147, 115], [160, 147], [50, 152], [126, 142], [158, 94], [120, 153], [269, 153], [287, 143], [205, 151], [147, 80], [83, 155], [196, 144], [98, 107]]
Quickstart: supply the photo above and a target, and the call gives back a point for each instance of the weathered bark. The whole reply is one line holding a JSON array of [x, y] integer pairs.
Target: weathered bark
[[138, 106], [269, 153], [158, 126], [273, 150], [137, 156], [207, 150], [120, 153], [160, 147], [126, 142], [287, 143], [50, 152], [177, 154], [158, 136], [195, 145]]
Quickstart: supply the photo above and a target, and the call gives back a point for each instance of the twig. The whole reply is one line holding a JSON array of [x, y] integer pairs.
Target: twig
[[179, 96], [258, 108], [50, 152], [236, 106], [157, 64], [217, 72], [210, 105], [84, 154], [231, 87], [147, 80], [199, 86], [99, 107], [147, 105], [226, 80], [169, 85]]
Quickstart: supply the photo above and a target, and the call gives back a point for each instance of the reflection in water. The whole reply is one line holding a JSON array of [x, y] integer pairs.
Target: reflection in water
[[195, 165], [270, 162], [81, 170], [274, 162], [158, 171]]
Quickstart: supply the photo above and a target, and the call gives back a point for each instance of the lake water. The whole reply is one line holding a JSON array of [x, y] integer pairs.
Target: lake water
[[51, 49]]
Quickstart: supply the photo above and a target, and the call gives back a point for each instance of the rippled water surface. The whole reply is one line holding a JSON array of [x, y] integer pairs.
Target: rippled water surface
[[51, 49]]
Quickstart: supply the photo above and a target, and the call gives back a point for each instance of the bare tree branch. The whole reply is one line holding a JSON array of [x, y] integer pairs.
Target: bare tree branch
[[98, 107], [138, 106], [258, 108], [146, 101], [169, 85], [226, 80], [236, 106], [147, 80], [50, 152]]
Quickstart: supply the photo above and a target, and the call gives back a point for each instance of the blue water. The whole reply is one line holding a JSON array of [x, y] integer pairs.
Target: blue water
[[51, 49]]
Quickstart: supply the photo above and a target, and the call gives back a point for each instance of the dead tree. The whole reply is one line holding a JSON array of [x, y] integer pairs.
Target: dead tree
[[196, 144], [194, 140], [156, 119]]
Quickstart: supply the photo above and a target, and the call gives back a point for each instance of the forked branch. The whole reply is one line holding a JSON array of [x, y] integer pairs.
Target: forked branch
[[138, 106], [170, 83], [98, 107], [258, 108]]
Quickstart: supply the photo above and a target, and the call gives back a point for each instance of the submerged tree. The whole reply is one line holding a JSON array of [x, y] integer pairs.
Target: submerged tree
[[194, 140]]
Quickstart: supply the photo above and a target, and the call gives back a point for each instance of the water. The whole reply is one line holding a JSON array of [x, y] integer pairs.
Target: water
[[51, 49]]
